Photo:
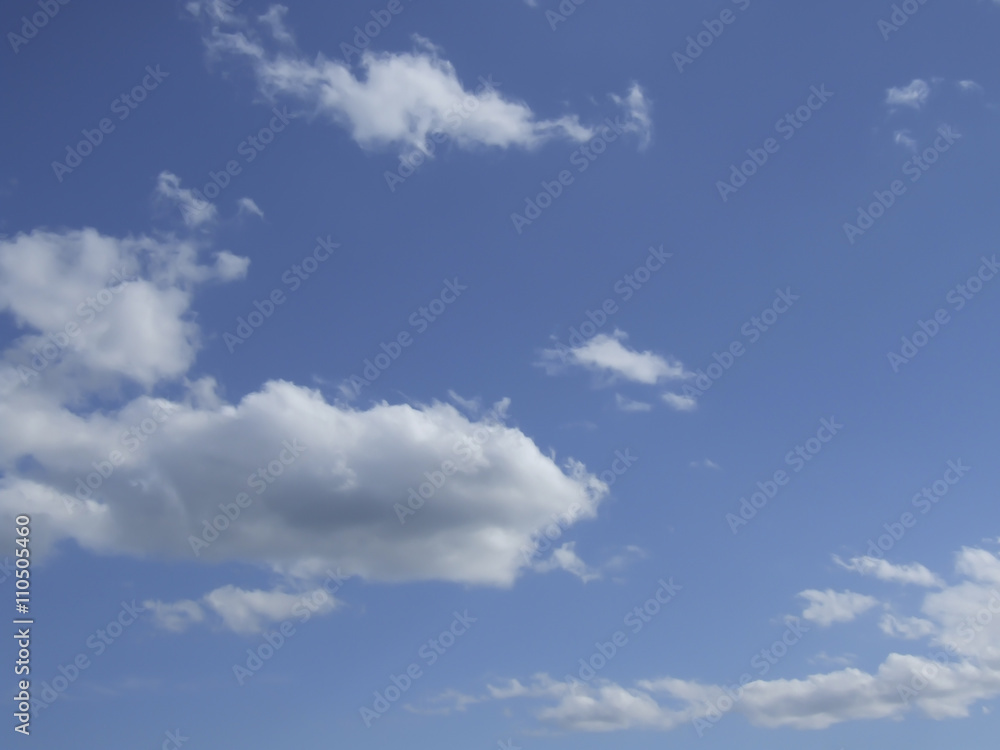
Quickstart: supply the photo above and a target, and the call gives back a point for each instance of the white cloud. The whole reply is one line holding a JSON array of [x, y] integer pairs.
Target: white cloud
[[637, 109], [469, 405], [175, 616], [457, 701], [971, 86], [565, 558], [910, 628], [845, 660], [249, 611], [194, 210], [979, 565], [333, 504], [399, 100], [217, 10], [915, 573], [249, 206], [905, 139], [126, 302], [816, 702], [828, 607], [241, 611], [963, 620], [967, 621], [599, 706], [230, 267], [608, 356], [819, 701], [274, 19], [680, 403], [705, 463], [626, 404], [914, 94]]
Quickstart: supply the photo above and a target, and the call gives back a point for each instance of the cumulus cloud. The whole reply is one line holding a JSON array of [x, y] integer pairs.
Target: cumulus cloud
[[319, 482], [607, 355], [966, 619], [978, 564], [913, 95], [600, 706], [396, 100], [334, 504], [866, 565], [962, 621], [815, 702], [828, 607], [104, 310]]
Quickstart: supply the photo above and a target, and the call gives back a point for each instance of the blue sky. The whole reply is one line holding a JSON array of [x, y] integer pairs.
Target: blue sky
[[509, 377]]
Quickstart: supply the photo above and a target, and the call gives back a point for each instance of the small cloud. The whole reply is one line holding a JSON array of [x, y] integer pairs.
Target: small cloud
[[828, 607], [680, 403], [608, 355], [884, 570], [218, 10], [194, 210], [905, 139], [841, 661], [627, 404], [470, 405], [910, 628], [913, 95], [247, 206], [457, 703], [565, 558], [705, 463], [230, 267], [637, 108], [969, 86], [177, 616], [274, 19], [244, 612], [625, 558], [582, 424]]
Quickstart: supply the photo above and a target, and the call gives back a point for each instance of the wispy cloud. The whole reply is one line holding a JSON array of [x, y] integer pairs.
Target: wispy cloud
[[608, 355], [626, 404], [194, 211], [913, 95], [866, 565], [680, 403], [247, 206]]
